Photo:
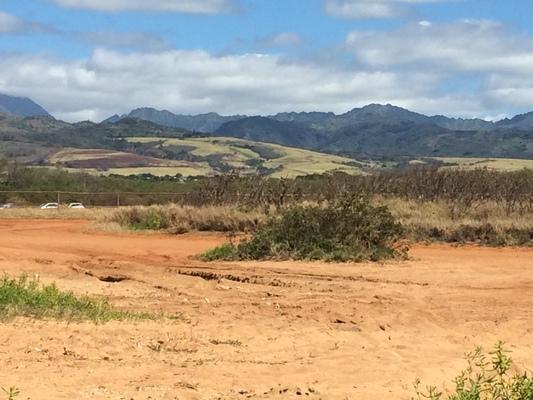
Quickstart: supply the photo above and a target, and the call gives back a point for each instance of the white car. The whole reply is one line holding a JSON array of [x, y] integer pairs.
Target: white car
[[49, 206], [76, 205]]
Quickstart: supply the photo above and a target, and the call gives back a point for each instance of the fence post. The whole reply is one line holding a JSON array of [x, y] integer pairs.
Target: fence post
[[118, 199], [58, 198]]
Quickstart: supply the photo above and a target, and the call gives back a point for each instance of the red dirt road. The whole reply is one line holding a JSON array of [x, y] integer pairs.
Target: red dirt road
[[256, 330]]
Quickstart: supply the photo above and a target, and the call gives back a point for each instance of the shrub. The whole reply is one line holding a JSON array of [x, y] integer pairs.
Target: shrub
[[351, 230], [487, 377], [26, 298]]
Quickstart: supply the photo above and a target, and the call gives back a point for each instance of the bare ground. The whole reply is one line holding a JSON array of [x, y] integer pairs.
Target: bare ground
[[256, 330]]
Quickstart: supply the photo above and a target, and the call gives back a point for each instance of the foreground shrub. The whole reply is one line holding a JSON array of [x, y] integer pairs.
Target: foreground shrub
[[487, 377], [352, 230], [26, 298]]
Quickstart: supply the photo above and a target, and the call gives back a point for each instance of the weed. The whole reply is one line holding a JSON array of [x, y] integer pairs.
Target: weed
[[487, 377], [27, 298], [11, 393]]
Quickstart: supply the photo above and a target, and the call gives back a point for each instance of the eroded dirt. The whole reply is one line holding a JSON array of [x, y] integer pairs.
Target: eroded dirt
[[256, 330]]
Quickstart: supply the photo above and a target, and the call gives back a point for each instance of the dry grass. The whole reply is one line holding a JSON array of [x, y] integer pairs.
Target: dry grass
[[181, 219], [486, 223]]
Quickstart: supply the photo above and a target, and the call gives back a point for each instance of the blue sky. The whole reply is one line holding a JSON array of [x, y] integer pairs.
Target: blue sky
[[88, 59]]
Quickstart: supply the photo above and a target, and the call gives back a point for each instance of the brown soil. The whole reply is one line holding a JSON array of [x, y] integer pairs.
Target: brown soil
[[256, 330]]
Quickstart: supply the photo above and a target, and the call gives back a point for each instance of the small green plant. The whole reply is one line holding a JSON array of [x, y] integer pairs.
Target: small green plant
[[487, 377], [11, 393], [227, 251], [27, 298], [350, 230]]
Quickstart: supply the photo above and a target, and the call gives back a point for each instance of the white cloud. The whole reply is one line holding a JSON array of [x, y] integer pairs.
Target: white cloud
[[179, 6], [465, 68], [467, 46], [354, 9], [463, 51], [282, 39], [195, 81], [13, 24]]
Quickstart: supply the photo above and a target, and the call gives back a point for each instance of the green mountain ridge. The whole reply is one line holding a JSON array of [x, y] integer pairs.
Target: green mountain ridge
[[374, 132]]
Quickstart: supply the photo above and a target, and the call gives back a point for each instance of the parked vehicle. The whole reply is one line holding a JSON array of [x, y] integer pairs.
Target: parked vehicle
[[76, 205], [7, 205], [49, 206]]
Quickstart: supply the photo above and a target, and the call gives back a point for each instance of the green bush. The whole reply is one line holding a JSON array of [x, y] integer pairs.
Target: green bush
[[226, 251], [487, 377], [351, 230], [26, 298]]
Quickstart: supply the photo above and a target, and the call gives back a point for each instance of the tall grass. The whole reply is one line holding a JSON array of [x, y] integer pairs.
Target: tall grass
[[485, 223], [181, 219], [24, 297]]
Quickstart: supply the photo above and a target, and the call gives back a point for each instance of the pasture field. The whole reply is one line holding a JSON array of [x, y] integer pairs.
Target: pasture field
[[106, 162], [206, 157], [286, 162], [496, 164], [259, 330]]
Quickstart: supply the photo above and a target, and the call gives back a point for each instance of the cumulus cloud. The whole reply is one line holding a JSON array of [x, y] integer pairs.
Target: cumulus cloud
[[467, 45], [282, 39], [468, 50], [179, 6], [467, 68], [354, 9], [111, 82]]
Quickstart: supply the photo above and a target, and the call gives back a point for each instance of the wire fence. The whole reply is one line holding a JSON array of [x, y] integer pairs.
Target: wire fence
[[29, 198]]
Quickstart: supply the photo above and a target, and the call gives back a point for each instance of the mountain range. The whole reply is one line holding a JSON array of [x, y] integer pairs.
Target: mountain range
[[211, 122], [373, 131], [381, 132]]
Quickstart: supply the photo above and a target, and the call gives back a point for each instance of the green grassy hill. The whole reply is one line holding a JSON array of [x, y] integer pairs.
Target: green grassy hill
[[205, 156]]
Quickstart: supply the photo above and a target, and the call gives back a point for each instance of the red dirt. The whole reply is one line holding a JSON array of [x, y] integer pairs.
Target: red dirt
[[256, 330]]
